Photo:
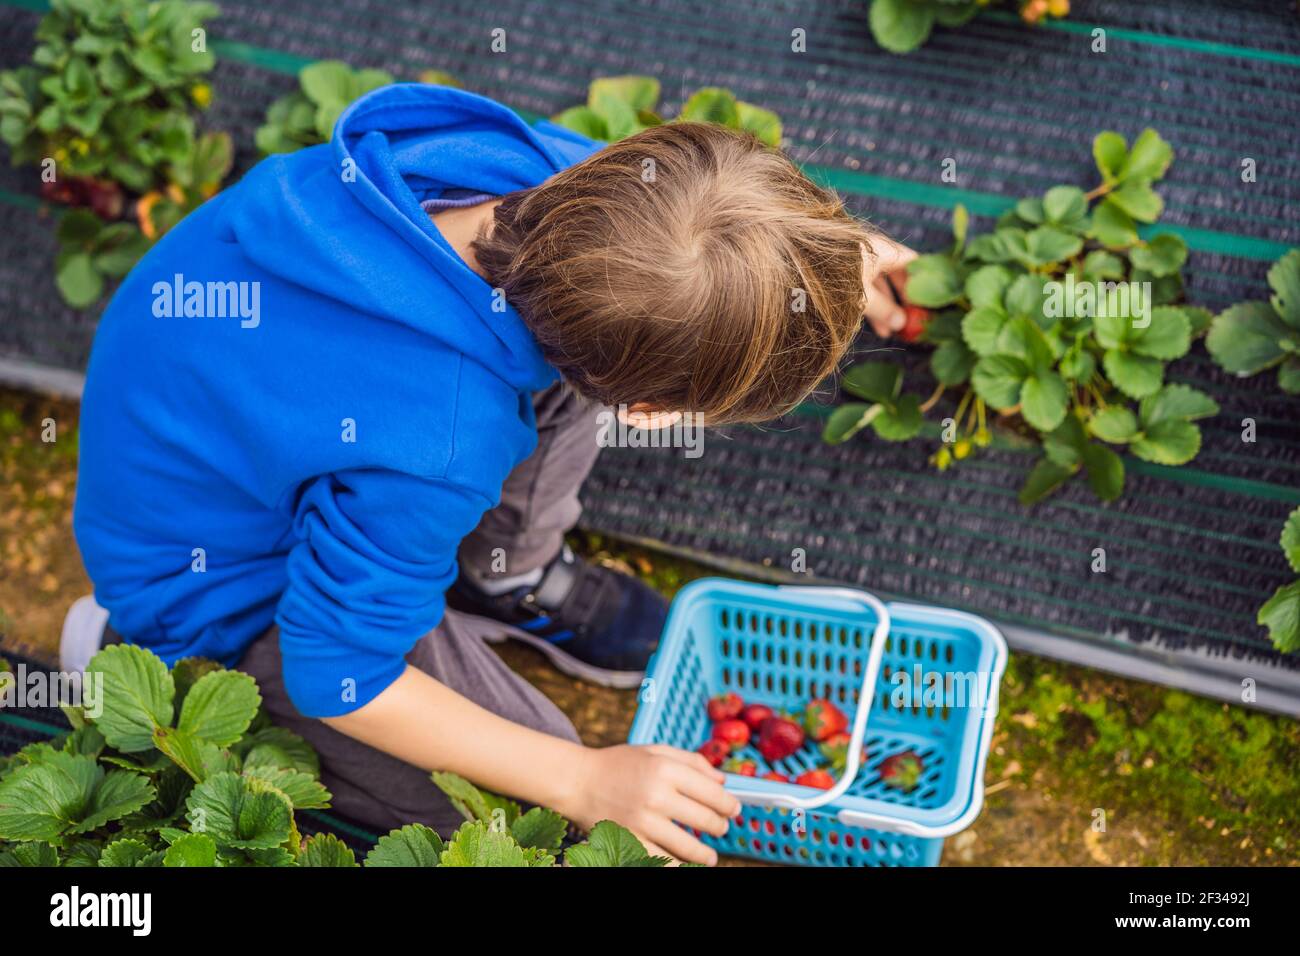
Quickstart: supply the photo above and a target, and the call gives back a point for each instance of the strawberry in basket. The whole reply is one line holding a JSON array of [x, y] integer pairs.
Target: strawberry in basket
[[746, 768], [714, 751], [822, 719], [725, 706], [734, 733], [755, 714], [835, 748], [778, 738], [902, 770], [817, 777]]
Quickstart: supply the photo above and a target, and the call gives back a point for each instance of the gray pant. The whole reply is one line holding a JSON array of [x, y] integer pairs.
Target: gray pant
[[539, 503]]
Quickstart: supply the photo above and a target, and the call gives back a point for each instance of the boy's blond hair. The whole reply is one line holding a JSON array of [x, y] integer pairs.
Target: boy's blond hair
[[688, 267]]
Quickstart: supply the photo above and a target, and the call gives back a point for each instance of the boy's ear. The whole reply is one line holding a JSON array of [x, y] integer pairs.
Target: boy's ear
[[646, 417]]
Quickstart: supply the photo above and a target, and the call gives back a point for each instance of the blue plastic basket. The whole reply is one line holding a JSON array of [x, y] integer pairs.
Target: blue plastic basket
[[782, 646]]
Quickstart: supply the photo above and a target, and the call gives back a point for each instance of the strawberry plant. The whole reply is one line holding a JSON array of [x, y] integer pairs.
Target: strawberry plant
[[619, 106], [900, 26], [182, 768], [109, 100], [1253, 337], [1281, 613], [1058, 321]]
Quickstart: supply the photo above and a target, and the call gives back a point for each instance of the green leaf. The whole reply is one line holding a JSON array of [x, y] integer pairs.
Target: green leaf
[[1197, 318], [1176, 402], [305, 792], [219, 707], [1025, 297], [473, 803], [137, 696], [584, 120], [1064, 445], [1065, 205], [1112, 226], [1148, 159], [1290, 540], [982, 328], [278, 747], [191, 850], [79, 227], [1246, 338], [413, 845], [1044, 400], [611, 845], [78, 281], [952, 362], [1284, 280], [847, 420], [199, 758], [1168, 336], [1044, 479], [900, 26], [933, 282], [476, 844], [325, 849], [366, 80], [1105, 471], [960, 226], [66, 794], [874, 381], [1168, 442], [997, 379], [327, 82], [240, 812], [1281, 615], [1138, 199], [1100, 264], [619, 118], [1288, 375], [1049, 244], [540, 828], [1163, 255], [638, 92], [1114, 423], [763, 125], [1077, 365], [29, 854], [900, 421], [1110, 152], [129, 853], [1137, 376], [713, 104], [987, 285]]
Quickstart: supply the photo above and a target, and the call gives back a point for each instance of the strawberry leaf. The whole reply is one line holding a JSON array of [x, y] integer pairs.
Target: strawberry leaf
[[874, 381], [1168, 442], [1281, 615], [1284, 280], [66, 794], [191, 850], [540, 828], [219, 707], [477, 845], [240, 812], [1114, 423], [611, 845], [414, 845], [137, 696], [325, 849], [304, 791], [1044, 479], [1290, 540], [847, 420], [1248, 337]]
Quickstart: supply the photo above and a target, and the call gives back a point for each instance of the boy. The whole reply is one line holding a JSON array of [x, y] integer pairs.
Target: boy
[[335, 423]]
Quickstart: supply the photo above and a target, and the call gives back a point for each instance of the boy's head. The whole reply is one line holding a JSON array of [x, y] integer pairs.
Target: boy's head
[[687, 268]]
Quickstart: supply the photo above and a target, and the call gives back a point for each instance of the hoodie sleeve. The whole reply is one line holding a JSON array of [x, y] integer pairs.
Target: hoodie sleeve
[[376, 552]]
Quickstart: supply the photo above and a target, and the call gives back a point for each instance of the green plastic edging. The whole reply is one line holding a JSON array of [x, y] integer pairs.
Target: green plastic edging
[[1156, 39]]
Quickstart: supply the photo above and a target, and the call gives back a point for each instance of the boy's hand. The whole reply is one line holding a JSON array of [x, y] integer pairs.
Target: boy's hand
[[650, 790], [884, 276]]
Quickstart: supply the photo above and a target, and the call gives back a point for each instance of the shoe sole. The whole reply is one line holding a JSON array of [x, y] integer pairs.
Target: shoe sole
[[572, 666]]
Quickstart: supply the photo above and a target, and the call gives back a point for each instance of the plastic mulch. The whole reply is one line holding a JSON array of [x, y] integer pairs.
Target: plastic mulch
[[1191, 552]]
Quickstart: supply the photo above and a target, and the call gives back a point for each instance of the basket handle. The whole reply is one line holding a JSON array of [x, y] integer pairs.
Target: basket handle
[[865, 695]]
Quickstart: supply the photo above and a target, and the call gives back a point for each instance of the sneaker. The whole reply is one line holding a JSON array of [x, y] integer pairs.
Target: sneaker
[[83, 634], [593, 623]]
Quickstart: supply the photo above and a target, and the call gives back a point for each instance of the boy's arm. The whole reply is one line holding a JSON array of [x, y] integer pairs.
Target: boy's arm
[[423, 722]]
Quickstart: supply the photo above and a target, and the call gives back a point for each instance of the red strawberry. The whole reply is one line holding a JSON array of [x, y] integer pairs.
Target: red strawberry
[[776, 775], [902, 770], [755, 714], [714, 751], [746, 768], [835, 748], [823, 719], [815, 778], [733, 733], [778, 738], [725, 706], [917, 319]]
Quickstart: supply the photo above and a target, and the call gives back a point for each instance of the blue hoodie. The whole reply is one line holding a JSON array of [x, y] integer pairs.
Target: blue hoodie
[[310, 445]]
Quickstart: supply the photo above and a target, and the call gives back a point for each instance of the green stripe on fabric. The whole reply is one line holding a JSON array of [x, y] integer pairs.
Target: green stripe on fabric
[[266, 59], [1156, 39], [38, 726], [335, 823]]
